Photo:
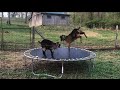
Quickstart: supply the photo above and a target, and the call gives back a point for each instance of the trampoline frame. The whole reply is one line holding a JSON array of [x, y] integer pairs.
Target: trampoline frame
[[28, 55]]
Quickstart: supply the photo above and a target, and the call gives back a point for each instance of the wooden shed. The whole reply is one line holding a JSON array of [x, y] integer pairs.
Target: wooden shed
[[50, 18]]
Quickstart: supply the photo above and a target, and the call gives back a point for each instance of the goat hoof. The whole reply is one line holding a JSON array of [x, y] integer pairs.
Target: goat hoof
[[44, 57], [53, 58]]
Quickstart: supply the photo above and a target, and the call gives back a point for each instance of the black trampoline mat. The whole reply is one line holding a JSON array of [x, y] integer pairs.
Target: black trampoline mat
[[63, 53]]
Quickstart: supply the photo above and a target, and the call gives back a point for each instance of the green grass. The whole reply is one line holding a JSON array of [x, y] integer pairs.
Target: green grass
[[106, 66], [107, 63], [103, 37], [17, 36]]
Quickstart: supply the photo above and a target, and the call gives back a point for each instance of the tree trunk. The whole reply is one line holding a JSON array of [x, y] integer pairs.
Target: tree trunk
[[74, 18], [21, 15], [2, 15], [91, 16], [14, 14], [9, 22], [30, 16], [26, 17], [99, 17]]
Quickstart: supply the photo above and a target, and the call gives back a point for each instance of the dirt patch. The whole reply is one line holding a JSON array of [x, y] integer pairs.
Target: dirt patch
[[13, 60], [92, 34]]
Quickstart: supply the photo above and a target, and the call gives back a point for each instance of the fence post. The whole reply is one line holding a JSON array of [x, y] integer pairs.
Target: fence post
[[116, 38], [2, 45], [33, 37], [30, 37]]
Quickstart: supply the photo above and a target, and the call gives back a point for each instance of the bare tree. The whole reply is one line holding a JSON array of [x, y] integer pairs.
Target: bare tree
[[22, 14], [91, 15], [13, 14], [9, 22], [2, 15], [26, 17]]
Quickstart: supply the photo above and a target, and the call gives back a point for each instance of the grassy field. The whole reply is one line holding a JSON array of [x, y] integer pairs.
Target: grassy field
[[96, 38], [107, 63], [106, 66]]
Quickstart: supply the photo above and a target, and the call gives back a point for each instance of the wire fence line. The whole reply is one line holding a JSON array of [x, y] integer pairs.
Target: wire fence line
[[18, 36]]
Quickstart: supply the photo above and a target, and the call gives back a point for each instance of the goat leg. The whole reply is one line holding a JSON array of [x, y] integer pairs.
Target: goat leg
[[81, 39], [52, 53], [85, 35], [69, 50], [44, 50]]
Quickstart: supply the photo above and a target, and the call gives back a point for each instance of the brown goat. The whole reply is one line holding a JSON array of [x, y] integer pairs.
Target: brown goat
[[75, 34]]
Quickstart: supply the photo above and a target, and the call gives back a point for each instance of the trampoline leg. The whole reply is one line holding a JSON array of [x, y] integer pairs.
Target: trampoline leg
[[32, 65], [62, 67], [62, 71], [91, 66], [33, 69]]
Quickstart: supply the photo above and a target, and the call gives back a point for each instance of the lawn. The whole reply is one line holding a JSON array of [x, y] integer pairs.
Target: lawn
[[96, 38], [106, 66], [107, 63]]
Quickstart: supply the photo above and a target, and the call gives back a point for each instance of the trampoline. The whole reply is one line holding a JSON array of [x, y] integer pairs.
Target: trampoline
[[60, 54]]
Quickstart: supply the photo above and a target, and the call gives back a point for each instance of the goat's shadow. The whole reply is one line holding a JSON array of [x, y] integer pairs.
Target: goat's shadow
[[55, 67]]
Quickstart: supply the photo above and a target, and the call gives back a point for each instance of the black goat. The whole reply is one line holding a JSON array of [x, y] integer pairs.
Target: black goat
[[48, 45]]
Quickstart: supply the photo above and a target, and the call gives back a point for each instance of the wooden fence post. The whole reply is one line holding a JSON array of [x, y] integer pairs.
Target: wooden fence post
[[116, 38], [2, 42], [33, 37]]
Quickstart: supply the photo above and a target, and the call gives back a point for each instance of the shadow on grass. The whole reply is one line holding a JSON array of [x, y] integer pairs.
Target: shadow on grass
[[54, 68]]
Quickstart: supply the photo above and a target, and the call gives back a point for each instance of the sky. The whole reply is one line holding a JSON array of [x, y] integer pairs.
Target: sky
[[5, 14], [57, 12]]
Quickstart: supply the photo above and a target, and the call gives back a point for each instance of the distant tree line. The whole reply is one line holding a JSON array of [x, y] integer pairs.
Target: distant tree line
[[22, 15], [102, 20]]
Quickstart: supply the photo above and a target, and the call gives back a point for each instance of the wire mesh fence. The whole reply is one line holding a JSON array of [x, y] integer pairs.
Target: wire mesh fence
[[18, 35], [14, 36], [97, 39]]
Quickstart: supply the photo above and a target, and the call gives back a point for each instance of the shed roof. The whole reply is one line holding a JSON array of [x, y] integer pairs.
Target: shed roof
[[56, 13]]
